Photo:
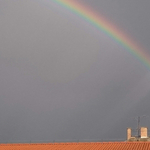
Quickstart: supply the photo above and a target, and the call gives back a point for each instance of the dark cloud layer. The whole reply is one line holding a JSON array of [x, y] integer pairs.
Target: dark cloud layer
[[62, 80]]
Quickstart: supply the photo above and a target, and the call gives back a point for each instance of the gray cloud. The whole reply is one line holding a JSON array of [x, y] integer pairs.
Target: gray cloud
[[63, 80]]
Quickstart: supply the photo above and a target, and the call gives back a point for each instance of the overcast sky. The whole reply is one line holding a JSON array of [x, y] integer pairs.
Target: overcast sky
[[62, 80]]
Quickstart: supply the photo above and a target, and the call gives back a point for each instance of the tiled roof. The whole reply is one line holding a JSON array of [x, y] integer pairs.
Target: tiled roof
[[79, 146]]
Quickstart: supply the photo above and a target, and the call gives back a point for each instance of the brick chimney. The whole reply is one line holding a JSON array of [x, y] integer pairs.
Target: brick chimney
[[129, 134], [144, 132]]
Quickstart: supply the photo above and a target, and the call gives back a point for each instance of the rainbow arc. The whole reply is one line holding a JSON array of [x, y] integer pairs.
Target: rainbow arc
[[107, 28]]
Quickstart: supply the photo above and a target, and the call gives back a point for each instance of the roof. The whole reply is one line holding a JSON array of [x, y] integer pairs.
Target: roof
[[76, 146]]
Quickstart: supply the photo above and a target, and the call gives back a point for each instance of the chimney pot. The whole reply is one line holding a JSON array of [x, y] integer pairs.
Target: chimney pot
[[129, 133], [144, 132]]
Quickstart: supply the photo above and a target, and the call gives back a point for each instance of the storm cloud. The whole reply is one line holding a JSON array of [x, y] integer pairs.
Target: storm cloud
[[62, 80]]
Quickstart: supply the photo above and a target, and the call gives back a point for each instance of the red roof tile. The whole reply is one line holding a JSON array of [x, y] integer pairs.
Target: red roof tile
[[77, 146]]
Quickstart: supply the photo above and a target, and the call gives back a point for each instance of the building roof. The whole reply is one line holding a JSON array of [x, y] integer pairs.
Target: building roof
[[77, 146]]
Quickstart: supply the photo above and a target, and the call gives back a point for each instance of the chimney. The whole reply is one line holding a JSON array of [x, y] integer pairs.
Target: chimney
[[144, 132], [128, 133]]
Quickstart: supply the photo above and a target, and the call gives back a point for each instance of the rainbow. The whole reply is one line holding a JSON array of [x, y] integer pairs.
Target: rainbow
[[107, 28]]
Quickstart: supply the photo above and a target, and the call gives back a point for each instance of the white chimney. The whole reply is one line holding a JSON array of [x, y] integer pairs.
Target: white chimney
[[129, 134], [144, 132]]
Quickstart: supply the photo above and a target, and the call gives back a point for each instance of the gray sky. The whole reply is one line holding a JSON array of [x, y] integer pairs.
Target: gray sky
[[62, 80]]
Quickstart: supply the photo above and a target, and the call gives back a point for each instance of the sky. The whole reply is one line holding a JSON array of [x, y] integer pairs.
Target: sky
[[63, 80]]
